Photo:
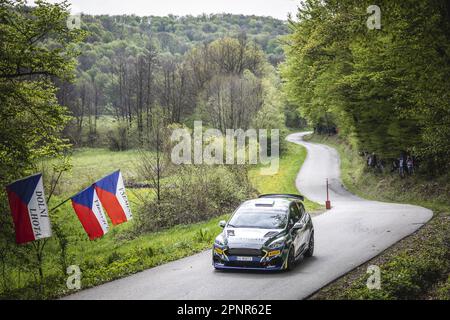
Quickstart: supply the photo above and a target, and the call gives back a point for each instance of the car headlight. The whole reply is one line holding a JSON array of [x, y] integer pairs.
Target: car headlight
[[277, 243], [220, 241]]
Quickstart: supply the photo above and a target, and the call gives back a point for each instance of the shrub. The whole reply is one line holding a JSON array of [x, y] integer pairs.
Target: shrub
[[203, 235], [118, 138], [196, 193], [113, 257], [443, 292]]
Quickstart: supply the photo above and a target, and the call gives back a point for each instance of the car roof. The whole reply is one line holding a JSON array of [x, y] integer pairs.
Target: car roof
[[290, 196], [269, 203]]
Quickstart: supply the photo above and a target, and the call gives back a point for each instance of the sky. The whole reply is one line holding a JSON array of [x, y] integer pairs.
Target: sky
[[274, 8]]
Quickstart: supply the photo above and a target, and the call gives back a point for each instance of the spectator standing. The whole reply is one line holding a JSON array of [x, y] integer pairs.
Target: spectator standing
[[369, 160], [394, 165], [374, 160], [410, 165], [401, 166]]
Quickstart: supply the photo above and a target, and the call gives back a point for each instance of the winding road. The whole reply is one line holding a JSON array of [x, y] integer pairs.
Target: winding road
[[352, 232]]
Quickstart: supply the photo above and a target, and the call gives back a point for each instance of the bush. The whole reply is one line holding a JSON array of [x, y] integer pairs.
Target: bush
[[203, 235], [118, 138], [443, 292], [113, 257], [196, 193]]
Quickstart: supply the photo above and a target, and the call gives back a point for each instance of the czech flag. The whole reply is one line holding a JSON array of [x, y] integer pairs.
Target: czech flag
[[29, 209], [111, 191], [90, 212]]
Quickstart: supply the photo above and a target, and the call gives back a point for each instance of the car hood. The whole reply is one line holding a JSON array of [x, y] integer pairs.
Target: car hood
[[249, 237]]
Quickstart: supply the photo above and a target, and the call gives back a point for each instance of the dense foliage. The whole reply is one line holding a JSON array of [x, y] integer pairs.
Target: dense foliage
[[35, 50], [386, 90], [177, 35]]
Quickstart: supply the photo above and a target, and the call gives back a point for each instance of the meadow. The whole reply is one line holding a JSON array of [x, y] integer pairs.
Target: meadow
[[91, 164]]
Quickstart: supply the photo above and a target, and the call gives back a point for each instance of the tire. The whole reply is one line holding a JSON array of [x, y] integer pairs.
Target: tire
[[290, 260], [310, 251]]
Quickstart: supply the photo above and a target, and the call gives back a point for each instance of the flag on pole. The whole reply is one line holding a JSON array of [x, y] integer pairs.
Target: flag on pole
[[90, 212], [29, 209], [111, 191]]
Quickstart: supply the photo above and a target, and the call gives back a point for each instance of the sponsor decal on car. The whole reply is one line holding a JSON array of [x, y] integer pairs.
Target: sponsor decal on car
[[274, 253]]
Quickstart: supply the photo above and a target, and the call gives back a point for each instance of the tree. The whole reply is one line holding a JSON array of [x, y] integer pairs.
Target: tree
[[155, 158], [36, 51], [384, 89]]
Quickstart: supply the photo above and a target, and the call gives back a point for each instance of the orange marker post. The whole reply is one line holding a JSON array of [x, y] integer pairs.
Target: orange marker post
[[328, 203]]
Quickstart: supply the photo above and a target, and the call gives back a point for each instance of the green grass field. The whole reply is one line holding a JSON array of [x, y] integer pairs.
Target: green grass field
[[283, 181], [91, 164]]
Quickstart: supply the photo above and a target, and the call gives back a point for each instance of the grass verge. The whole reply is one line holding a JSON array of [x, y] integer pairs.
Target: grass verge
[[284, 181], [113, 257], [417, 267]]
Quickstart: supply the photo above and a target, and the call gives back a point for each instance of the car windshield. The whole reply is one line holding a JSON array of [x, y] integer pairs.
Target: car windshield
[[259, 218]]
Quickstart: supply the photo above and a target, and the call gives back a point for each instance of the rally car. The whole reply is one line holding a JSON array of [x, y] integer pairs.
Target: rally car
[[268, 233]]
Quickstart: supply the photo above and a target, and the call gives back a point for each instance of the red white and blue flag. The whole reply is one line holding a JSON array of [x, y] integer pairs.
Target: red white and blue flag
[[111, 191], [29, 209], [90, 212]]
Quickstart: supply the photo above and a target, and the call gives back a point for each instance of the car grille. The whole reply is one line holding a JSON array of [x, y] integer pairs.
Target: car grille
[[244, 264], [244, 252]]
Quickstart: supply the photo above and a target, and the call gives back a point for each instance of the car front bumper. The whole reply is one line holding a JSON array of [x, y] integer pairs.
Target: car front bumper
[[269, 260]]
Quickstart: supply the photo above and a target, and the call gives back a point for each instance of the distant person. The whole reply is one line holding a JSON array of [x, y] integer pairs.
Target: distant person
[[401, 166], [374, 159], [380, 165], [410, 165], [394, 165], [369, 160]]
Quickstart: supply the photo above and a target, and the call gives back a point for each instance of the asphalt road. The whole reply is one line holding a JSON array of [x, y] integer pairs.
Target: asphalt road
[[352, 232]]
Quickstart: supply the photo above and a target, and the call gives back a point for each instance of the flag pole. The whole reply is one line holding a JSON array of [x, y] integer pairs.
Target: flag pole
[[59, 205], [52, 190]]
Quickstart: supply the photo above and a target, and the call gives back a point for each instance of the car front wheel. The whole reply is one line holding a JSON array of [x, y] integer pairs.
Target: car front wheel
[[310, 251], [290, 259]]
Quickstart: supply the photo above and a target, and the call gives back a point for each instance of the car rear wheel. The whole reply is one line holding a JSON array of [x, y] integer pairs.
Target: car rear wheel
[[310, 251]]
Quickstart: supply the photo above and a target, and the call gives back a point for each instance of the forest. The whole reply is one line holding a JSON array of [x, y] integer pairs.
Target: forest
[[385, 91], [188, 66]]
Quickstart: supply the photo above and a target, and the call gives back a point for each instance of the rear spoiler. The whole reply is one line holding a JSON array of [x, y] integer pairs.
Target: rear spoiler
[[282, 195]]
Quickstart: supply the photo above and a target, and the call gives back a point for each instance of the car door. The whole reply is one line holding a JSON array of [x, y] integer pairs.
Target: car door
[[297, 235], [303, 233], [306, 219]]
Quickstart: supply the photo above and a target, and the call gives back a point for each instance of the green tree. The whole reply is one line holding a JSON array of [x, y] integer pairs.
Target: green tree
[[36, 50], [385, 90]]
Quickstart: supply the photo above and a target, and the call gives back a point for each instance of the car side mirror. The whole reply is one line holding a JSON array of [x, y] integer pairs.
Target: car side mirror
[[222, 224], [298, 226]]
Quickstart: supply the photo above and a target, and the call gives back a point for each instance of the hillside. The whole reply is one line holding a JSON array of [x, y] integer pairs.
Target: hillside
[[128, 66], [176, 35]]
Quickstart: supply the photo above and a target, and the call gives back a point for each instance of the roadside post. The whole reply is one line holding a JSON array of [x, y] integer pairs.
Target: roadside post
[[328, 203]]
